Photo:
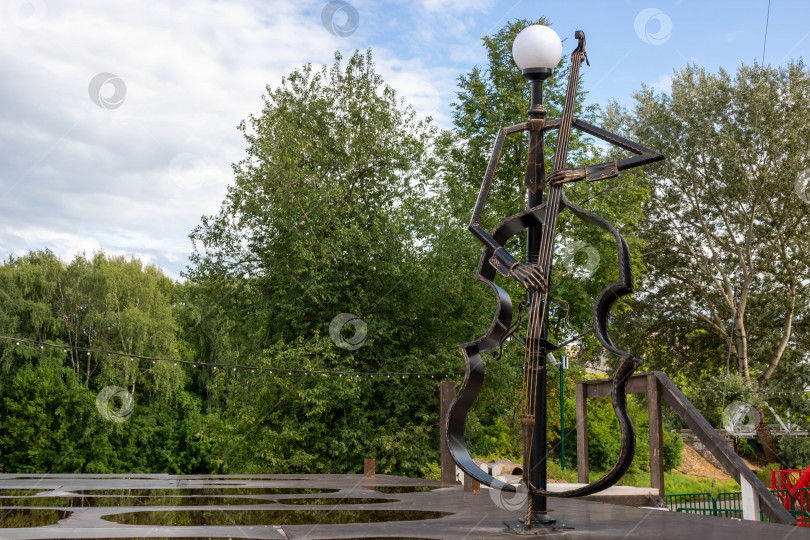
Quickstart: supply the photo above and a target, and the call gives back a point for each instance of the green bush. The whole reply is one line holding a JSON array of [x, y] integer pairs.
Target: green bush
[[673, 448], [764, 475], [794, 451], [49, 423], [603, 435], [432, 471], [604, 440]]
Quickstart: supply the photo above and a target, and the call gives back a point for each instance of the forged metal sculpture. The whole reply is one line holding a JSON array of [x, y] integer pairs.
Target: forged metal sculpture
[[540, 221]]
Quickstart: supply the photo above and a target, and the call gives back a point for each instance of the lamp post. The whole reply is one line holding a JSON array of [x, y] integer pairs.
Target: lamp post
[[537, 50]]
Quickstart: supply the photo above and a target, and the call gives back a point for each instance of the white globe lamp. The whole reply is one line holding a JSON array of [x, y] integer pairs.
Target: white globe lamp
[[537, 50]]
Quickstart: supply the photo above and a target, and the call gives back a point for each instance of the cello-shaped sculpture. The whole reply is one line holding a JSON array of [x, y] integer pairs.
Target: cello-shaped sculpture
[[540, 219]]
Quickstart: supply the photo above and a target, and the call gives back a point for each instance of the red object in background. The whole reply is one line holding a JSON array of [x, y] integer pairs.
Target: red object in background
[[796, 482], [790, 479]]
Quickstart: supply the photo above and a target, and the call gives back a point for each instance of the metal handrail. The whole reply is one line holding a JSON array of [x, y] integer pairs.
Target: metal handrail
[[734, 465]]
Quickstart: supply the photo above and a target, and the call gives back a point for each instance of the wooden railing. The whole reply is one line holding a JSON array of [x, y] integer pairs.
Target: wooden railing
[[755, 495]]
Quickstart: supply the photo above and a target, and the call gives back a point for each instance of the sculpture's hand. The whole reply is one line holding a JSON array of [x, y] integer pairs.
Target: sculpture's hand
[[564, 176], [530, 276], [590, 173]]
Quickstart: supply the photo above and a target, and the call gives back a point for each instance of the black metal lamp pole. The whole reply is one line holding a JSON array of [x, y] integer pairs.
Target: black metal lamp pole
[[537, 473], [536, 111]]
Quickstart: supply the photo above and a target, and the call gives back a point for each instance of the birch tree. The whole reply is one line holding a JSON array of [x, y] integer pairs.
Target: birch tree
[[727, 223]]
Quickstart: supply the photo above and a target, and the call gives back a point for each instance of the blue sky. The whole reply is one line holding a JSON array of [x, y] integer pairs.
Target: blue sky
[[133, 167], [709, 33]]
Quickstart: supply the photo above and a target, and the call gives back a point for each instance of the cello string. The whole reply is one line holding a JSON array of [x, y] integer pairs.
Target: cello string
[[546, 248], [531, 349], [527, 359], [525, 395], [559, 163], [527, 354], [532, 334], [554, 192], [533, 388]]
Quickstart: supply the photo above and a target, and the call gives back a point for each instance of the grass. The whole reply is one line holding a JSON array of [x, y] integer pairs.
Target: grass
[[674, 481]]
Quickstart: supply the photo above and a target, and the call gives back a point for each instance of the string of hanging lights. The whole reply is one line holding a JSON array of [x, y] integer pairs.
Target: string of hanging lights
[[234, 367]]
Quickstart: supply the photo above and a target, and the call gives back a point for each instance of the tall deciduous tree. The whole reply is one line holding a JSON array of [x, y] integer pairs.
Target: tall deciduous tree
[[728, 232], [50, 421], [328, 214]]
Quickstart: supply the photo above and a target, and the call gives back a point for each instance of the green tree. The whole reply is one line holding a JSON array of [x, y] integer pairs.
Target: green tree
[[28, 286], [103, 302], [50, 423], [326, 211], [726, 225], [328, 214]]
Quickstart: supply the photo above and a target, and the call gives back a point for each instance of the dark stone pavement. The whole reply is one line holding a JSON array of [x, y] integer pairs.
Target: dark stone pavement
[[469, 515]]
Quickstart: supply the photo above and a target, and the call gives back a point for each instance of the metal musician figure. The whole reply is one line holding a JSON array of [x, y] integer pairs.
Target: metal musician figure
[[540, 222]]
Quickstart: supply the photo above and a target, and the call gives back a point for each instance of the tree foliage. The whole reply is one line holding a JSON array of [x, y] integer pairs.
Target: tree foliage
[[48, 395], [727, 231], [328, 214]]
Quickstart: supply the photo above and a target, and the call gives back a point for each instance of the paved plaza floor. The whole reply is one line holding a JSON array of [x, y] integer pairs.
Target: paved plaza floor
[[317, 507]]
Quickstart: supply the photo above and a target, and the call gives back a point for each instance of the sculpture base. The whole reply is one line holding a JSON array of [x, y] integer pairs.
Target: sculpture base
[[541, 522]]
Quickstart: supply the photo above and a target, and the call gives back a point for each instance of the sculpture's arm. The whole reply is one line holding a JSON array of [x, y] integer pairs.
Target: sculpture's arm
[[608, 169], [529, 275]]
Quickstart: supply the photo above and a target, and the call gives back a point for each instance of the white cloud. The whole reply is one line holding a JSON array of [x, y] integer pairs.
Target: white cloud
[[455, 6], [64, 244], [427, 89], [135, 180], [662, 84]]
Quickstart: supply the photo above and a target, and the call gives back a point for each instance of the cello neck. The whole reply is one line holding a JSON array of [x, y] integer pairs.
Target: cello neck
[[560, 158], [564, 134]]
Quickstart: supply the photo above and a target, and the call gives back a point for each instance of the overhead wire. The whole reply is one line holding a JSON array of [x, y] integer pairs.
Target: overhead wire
[[234, 367], [765, 41]]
